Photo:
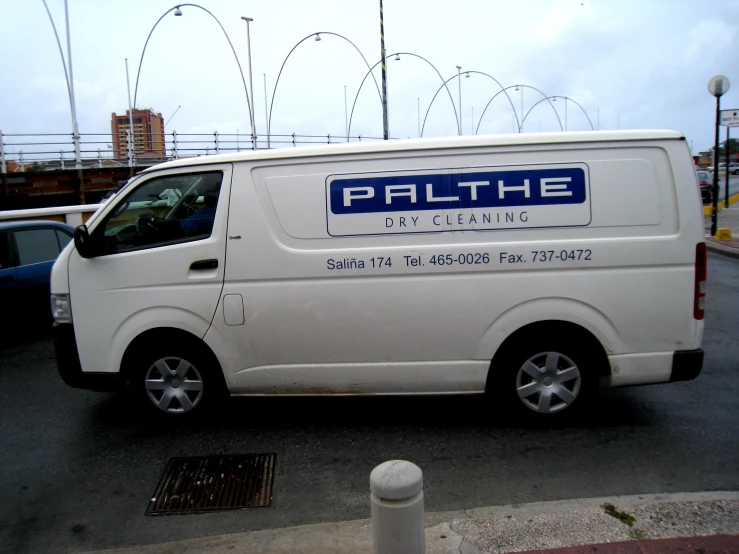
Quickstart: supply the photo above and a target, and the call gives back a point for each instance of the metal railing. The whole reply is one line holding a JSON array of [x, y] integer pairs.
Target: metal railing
[[48, 151]]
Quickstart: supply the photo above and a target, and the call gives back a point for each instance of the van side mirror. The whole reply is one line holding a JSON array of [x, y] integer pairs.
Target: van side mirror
[[82, 242]]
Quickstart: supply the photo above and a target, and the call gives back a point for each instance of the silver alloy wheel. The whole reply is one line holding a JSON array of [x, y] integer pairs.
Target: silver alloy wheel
[[174, 385], [548, 382]]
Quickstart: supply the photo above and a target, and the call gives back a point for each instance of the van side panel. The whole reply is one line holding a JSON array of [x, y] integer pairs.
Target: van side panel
[[352, 313]]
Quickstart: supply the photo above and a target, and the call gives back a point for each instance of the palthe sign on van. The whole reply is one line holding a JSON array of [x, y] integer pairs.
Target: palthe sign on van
[[470, 199]]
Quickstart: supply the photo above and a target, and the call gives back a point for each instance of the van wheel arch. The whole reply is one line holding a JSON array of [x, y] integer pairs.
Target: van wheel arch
[[157, 339], [575, 341]]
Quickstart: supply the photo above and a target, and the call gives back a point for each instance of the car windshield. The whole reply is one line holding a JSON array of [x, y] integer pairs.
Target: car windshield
[[703, 175]]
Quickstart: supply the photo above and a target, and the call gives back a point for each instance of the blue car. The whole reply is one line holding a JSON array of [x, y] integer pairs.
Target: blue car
[[27, 252]]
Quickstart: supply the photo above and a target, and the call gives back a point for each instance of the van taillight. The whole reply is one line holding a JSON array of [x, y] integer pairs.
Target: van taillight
[[699, 302]]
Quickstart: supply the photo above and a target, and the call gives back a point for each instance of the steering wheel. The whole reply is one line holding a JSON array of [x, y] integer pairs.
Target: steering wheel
[[145, 223], [191, 198]]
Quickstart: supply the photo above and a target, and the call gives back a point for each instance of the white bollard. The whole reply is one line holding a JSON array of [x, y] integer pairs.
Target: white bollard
[[397, 508]]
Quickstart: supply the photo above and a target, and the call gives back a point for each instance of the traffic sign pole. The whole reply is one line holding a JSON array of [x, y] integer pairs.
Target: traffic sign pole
[[729, 119], [728, 147], [714, 210]]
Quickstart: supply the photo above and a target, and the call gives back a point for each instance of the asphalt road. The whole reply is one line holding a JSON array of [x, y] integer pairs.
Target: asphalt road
[[77, 468]]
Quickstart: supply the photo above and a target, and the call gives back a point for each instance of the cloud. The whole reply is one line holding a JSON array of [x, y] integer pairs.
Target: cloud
[[708, 39]]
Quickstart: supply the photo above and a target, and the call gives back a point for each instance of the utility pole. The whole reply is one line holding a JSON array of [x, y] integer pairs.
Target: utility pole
[[385, 129]]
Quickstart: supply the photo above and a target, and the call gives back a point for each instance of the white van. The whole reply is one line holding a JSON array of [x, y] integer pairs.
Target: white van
[[526, 266]]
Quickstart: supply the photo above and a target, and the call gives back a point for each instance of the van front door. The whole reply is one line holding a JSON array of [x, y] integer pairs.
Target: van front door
[[158, 262]]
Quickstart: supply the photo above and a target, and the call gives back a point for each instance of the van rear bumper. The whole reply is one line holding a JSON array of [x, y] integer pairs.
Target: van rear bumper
[[68, 362], [686, 365], [655, 367]]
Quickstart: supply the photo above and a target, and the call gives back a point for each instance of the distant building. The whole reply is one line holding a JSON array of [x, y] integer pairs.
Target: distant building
[[148, 134], [705, 158]]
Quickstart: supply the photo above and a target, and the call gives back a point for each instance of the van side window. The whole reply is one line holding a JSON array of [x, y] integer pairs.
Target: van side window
[[36, 246], [162, 211]]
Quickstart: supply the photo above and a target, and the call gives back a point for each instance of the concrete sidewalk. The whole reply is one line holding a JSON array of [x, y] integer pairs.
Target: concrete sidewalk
[[727, 218], [685, 522]]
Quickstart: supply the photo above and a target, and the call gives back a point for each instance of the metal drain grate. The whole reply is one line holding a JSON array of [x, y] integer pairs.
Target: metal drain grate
[[209, 483]]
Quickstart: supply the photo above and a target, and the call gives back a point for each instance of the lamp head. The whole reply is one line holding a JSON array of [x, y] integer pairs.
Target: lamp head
[[247, 19], [178, 12], [397, 56], [318, 37]]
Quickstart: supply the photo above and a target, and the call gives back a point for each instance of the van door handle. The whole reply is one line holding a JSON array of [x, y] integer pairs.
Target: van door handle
[[204, 264]]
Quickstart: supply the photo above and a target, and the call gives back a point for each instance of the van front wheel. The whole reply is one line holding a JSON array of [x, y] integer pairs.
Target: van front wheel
[[176, 382]]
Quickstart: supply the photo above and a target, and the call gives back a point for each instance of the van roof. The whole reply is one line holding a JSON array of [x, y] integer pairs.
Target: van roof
[[406, 145]]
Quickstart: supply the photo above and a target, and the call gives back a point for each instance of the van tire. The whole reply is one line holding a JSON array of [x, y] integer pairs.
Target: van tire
[[178, 380], [546, 379]]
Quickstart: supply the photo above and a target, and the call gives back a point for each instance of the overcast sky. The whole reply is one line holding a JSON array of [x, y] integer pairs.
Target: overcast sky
[[638, 64]]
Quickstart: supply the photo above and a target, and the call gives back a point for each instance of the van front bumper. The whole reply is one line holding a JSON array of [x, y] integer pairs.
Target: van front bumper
[[68, 362]]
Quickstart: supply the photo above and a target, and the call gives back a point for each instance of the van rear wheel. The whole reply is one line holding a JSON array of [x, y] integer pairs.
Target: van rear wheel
[[545, 381], [548, 382], [176, 381]]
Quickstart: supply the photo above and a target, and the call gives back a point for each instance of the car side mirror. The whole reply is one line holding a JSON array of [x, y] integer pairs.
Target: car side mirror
[[82, 242]]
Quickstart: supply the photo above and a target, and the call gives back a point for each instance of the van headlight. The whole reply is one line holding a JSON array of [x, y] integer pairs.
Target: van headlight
[[60, 308]]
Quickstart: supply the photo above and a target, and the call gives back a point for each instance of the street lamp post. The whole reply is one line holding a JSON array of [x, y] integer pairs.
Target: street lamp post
[[317, 39], [346, 120], [718, 86], [467, 74], [75, 129], [69, 76], [418, 111], [459, 68], [545, 98], [265, 107], [554, 99], [397, 57], [178, 12], [251, 84]]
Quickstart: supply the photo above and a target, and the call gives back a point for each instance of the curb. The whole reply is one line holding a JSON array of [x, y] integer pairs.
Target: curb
[[468, 531], [733, 199], [717, 247]]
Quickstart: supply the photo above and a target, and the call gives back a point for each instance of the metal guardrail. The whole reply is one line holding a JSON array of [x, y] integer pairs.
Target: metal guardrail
[[42, 151], [71, 215]]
